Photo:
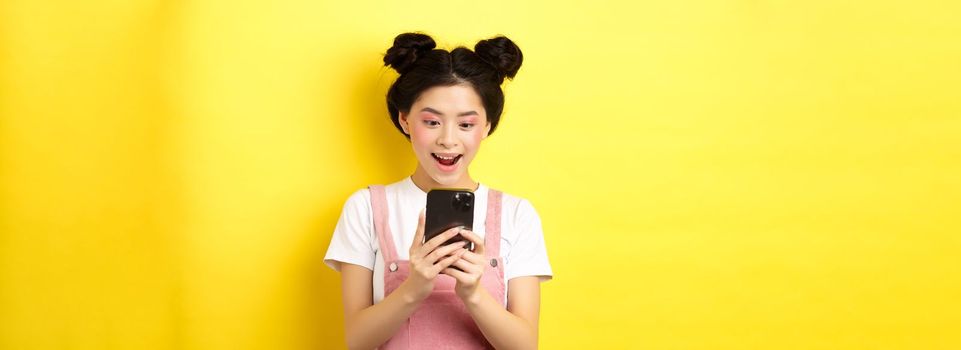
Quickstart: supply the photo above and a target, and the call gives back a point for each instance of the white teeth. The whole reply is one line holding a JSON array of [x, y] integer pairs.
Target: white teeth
[[443, 157]]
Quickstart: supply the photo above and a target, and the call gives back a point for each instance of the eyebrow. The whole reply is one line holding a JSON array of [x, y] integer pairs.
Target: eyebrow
[[434, 111]]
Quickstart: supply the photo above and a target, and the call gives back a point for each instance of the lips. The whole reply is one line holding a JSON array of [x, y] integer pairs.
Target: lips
[[447, 162], [447, 159]]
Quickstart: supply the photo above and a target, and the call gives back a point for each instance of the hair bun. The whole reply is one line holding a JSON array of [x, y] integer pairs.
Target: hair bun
[[501, 53], [408, 47]]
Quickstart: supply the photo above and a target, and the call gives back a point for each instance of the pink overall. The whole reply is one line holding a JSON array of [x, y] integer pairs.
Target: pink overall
[[441, 321]]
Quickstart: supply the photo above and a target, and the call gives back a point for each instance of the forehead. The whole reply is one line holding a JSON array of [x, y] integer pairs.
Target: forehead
[[449, 100]]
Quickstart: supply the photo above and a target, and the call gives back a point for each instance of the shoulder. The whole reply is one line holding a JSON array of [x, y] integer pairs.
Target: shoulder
[[359, 196], [358, 203], [517, 208]]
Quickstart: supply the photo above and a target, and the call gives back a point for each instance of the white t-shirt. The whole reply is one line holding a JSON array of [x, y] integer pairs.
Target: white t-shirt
[[354, 240]]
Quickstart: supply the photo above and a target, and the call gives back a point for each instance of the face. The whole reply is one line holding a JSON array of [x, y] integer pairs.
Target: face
[[446, 125]]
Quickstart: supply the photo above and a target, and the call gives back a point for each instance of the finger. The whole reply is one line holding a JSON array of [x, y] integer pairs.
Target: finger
[[419, 234], [441, 252], [478, 242], [457, 274], [433, 243], [474, 258], [443, 264], [467, 266]]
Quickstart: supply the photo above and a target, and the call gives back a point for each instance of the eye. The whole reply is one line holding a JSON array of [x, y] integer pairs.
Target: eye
[[431, 122], [466, 125]]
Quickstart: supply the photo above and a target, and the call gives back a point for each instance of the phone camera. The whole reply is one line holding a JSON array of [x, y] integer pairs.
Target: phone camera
[[462, 201]]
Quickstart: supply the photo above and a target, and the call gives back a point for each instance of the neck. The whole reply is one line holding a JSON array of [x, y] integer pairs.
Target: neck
[[426, 183]]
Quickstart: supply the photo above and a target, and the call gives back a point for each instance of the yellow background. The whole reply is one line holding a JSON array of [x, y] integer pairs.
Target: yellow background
[[710, 174]]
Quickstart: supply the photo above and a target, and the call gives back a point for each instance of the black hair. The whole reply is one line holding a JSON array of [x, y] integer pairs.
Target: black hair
[[421, 67]]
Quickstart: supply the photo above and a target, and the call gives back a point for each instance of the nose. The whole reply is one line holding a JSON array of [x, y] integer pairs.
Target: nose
[[448, 137]]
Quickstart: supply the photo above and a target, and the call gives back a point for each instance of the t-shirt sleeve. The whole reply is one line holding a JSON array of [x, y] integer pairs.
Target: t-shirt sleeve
[[353, 240], [528, 256]]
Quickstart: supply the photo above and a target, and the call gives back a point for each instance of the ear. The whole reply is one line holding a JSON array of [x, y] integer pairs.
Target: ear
[[487, 130], [402, 118]]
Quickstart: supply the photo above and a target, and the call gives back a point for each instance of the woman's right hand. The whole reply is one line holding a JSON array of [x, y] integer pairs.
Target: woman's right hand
[[428, 259]]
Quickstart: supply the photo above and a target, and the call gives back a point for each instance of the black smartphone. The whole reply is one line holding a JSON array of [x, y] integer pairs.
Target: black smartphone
[[448, 208]]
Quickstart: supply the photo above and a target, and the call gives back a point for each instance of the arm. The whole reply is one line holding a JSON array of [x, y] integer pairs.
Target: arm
[[352, 253], [368, 325], [513, 328]]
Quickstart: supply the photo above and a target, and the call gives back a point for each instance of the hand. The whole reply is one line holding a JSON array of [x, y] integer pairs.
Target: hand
[[471, 265], [428, 259]]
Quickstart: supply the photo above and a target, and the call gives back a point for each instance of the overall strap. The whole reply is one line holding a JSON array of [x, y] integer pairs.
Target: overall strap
[[378, 201], [492, 237]]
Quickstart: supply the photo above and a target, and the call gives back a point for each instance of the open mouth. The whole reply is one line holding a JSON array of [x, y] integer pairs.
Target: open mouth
[[446, 159]]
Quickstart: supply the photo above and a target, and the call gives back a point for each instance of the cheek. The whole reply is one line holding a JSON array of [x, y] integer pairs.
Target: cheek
[[473, 139], [420, 137], [417, 132]]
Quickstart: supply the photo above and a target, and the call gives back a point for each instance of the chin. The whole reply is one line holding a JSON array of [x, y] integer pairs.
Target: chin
[[446, 179]]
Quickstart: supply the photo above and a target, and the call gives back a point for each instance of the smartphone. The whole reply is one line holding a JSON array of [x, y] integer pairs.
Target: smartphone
[[448, 208]]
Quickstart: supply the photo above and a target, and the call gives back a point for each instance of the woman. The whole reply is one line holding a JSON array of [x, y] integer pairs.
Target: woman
[[400, 292]]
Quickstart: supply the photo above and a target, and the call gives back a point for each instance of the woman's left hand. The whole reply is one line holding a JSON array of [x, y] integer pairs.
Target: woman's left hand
[[471, 266]]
